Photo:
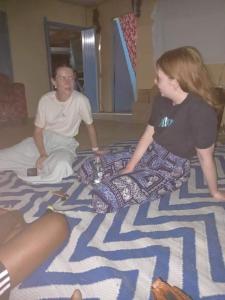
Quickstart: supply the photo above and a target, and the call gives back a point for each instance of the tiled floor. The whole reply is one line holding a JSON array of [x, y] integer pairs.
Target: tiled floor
[[108, 132]]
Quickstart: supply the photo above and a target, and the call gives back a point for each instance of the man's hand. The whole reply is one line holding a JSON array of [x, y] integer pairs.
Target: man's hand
[[39, 141], [40, 161]]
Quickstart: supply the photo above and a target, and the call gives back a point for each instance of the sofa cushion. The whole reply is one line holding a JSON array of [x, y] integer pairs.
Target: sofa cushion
[[12, 100]]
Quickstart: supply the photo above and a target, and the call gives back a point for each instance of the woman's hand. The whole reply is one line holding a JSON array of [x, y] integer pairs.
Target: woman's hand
[[144, 142], [100, 152], [219, 195], [126, 170], [40, 161]]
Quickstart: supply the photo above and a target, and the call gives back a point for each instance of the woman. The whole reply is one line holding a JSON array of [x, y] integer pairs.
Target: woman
[[183, 123], [24, 247], [47, 157]]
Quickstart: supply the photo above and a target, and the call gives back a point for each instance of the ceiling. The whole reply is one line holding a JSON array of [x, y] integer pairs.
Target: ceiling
[[85, 2]]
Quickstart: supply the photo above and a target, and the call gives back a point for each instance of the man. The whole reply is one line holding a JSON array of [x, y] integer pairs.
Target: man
[[52, 149]]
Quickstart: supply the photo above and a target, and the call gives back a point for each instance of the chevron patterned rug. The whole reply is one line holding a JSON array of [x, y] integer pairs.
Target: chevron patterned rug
[[180, 238]]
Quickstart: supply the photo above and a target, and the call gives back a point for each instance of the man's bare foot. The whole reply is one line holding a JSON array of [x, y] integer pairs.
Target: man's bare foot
[[76, 295]]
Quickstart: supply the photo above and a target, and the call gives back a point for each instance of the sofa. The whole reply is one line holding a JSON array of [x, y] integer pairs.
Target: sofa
[[13, 106]]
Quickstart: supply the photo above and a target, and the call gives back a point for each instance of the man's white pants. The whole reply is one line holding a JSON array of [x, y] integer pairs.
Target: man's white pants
[[61, 155]]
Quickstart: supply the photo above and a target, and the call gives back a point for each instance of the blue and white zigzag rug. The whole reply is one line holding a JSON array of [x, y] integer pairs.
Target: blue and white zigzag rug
[[180, 238]]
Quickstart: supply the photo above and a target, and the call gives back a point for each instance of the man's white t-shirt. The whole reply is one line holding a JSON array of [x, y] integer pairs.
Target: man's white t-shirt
[[63, 117]]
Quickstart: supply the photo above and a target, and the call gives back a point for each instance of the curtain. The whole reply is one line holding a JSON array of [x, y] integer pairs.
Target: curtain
[[128, 24]]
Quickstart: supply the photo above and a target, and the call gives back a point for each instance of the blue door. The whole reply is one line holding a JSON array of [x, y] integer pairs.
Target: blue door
[[90, 67], [124, 85]]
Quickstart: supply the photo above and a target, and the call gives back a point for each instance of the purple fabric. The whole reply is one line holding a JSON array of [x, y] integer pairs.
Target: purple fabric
[[158, 172]]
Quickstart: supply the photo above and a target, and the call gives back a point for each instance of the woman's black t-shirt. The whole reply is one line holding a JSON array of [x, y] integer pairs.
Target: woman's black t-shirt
[[184, 127]]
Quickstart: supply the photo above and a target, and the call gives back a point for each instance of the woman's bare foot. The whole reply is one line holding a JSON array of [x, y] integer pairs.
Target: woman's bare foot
[[76, 295]]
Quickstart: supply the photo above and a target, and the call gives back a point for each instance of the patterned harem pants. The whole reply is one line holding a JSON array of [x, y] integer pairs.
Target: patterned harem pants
[[158, 172]]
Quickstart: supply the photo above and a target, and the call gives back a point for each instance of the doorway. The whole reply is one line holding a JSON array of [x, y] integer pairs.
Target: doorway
[[75, 46]]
